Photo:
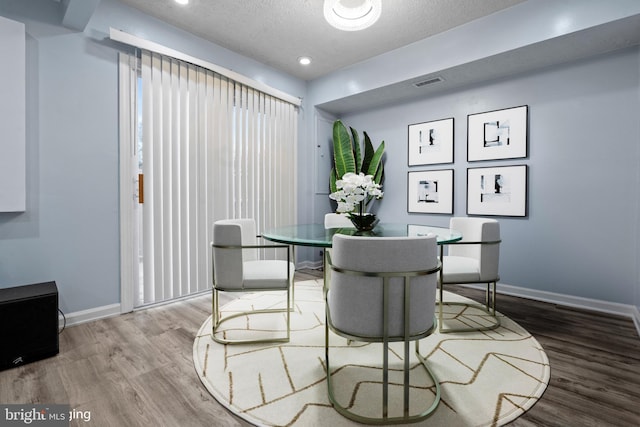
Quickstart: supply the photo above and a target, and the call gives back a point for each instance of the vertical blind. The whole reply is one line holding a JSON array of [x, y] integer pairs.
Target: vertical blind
[[212, 149]]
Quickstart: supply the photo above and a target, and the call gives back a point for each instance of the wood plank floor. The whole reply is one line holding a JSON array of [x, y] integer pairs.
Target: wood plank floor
[[137, 369]]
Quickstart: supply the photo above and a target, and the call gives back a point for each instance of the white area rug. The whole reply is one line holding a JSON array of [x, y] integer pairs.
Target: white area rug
[[487, 378]]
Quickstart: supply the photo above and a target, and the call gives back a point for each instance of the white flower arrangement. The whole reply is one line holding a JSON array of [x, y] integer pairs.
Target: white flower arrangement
[[355, 190]]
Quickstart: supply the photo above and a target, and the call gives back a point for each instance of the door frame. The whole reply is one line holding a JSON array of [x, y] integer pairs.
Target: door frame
[[129, 263]]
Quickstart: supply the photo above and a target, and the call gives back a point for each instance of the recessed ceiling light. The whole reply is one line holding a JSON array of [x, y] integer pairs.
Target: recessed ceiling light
[[304, 60], [352, 15], [182, 1]]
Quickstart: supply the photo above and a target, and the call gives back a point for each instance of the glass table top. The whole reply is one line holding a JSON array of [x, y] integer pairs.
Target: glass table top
[[318, 236]]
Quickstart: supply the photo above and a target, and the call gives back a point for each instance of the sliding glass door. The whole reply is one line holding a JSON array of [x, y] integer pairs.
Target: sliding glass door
[[198, 147]]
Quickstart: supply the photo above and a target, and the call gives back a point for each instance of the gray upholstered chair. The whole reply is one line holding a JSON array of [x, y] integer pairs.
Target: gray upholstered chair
[[383, 290], [237, 268], [336, 220], [474, 259]]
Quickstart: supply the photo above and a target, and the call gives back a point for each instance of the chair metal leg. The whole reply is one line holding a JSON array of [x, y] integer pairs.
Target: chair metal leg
[[436, 383], [290, 309], [215, 309], [440, 290], [385, 419], [218, 320], [292, 281], [490, 298], [489, 308], [440, 305]]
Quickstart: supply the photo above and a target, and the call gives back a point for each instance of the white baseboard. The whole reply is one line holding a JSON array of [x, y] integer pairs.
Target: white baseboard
[[568, 300], [636, 318], [625, 310], [84, 316], [311, 265], [111, 310]]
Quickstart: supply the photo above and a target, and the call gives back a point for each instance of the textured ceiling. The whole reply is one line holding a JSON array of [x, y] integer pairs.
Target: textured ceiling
[[277, 32]]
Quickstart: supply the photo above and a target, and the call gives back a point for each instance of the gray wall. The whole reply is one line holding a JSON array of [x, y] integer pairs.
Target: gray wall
[[581, 235], [579, 244], [70, 230]]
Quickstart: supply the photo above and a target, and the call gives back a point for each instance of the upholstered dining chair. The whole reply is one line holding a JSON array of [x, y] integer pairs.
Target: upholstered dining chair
[[474, 259], [336, 220], [237, 268], [383, 290]]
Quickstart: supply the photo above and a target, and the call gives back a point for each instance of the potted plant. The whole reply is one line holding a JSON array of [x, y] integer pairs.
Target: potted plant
[[357, 175]]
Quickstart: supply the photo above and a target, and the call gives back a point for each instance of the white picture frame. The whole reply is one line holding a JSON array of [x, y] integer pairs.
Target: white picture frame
[[431, 143], [499, 134], [497, 191], [430, 192]]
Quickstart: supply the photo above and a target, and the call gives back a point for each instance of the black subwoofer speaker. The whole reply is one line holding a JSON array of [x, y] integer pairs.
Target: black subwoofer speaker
[[28, 324]]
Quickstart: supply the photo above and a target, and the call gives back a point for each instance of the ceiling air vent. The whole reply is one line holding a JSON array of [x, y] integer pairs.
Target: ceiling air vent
[[429, 81]]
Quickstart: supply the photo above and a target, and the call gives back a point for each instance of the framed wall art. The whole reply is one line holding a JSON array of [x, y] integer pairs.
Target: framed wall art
[[430, 192], [431, 143], [500, 134], [497, 191]]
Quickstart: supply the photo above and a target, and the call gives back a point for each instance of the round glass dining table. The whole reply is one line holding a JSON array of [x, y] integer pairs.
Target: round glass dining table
[[317, 236]]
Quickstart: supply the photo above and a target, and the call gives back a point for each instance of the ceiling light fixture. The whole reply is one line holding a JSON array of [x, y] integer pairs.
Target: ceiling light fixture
[[352, 15], [304, 60], [182, 1]]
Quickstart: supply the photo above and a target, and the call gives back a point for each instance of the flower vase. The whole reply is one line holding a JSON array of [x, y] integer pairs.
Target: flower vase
[[363, 222]]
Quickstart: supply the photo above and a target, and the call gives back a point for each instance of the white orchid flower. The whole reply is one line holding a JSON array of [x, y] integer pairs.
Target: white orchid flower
[[354, 190]]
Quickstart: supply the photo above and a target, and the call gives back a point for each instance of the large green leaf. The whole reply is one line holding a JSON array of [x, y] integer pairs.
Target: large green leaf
[[332, 181], [356, 150], [349, 157], [375, 165], [368, 155], [343, 155]]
